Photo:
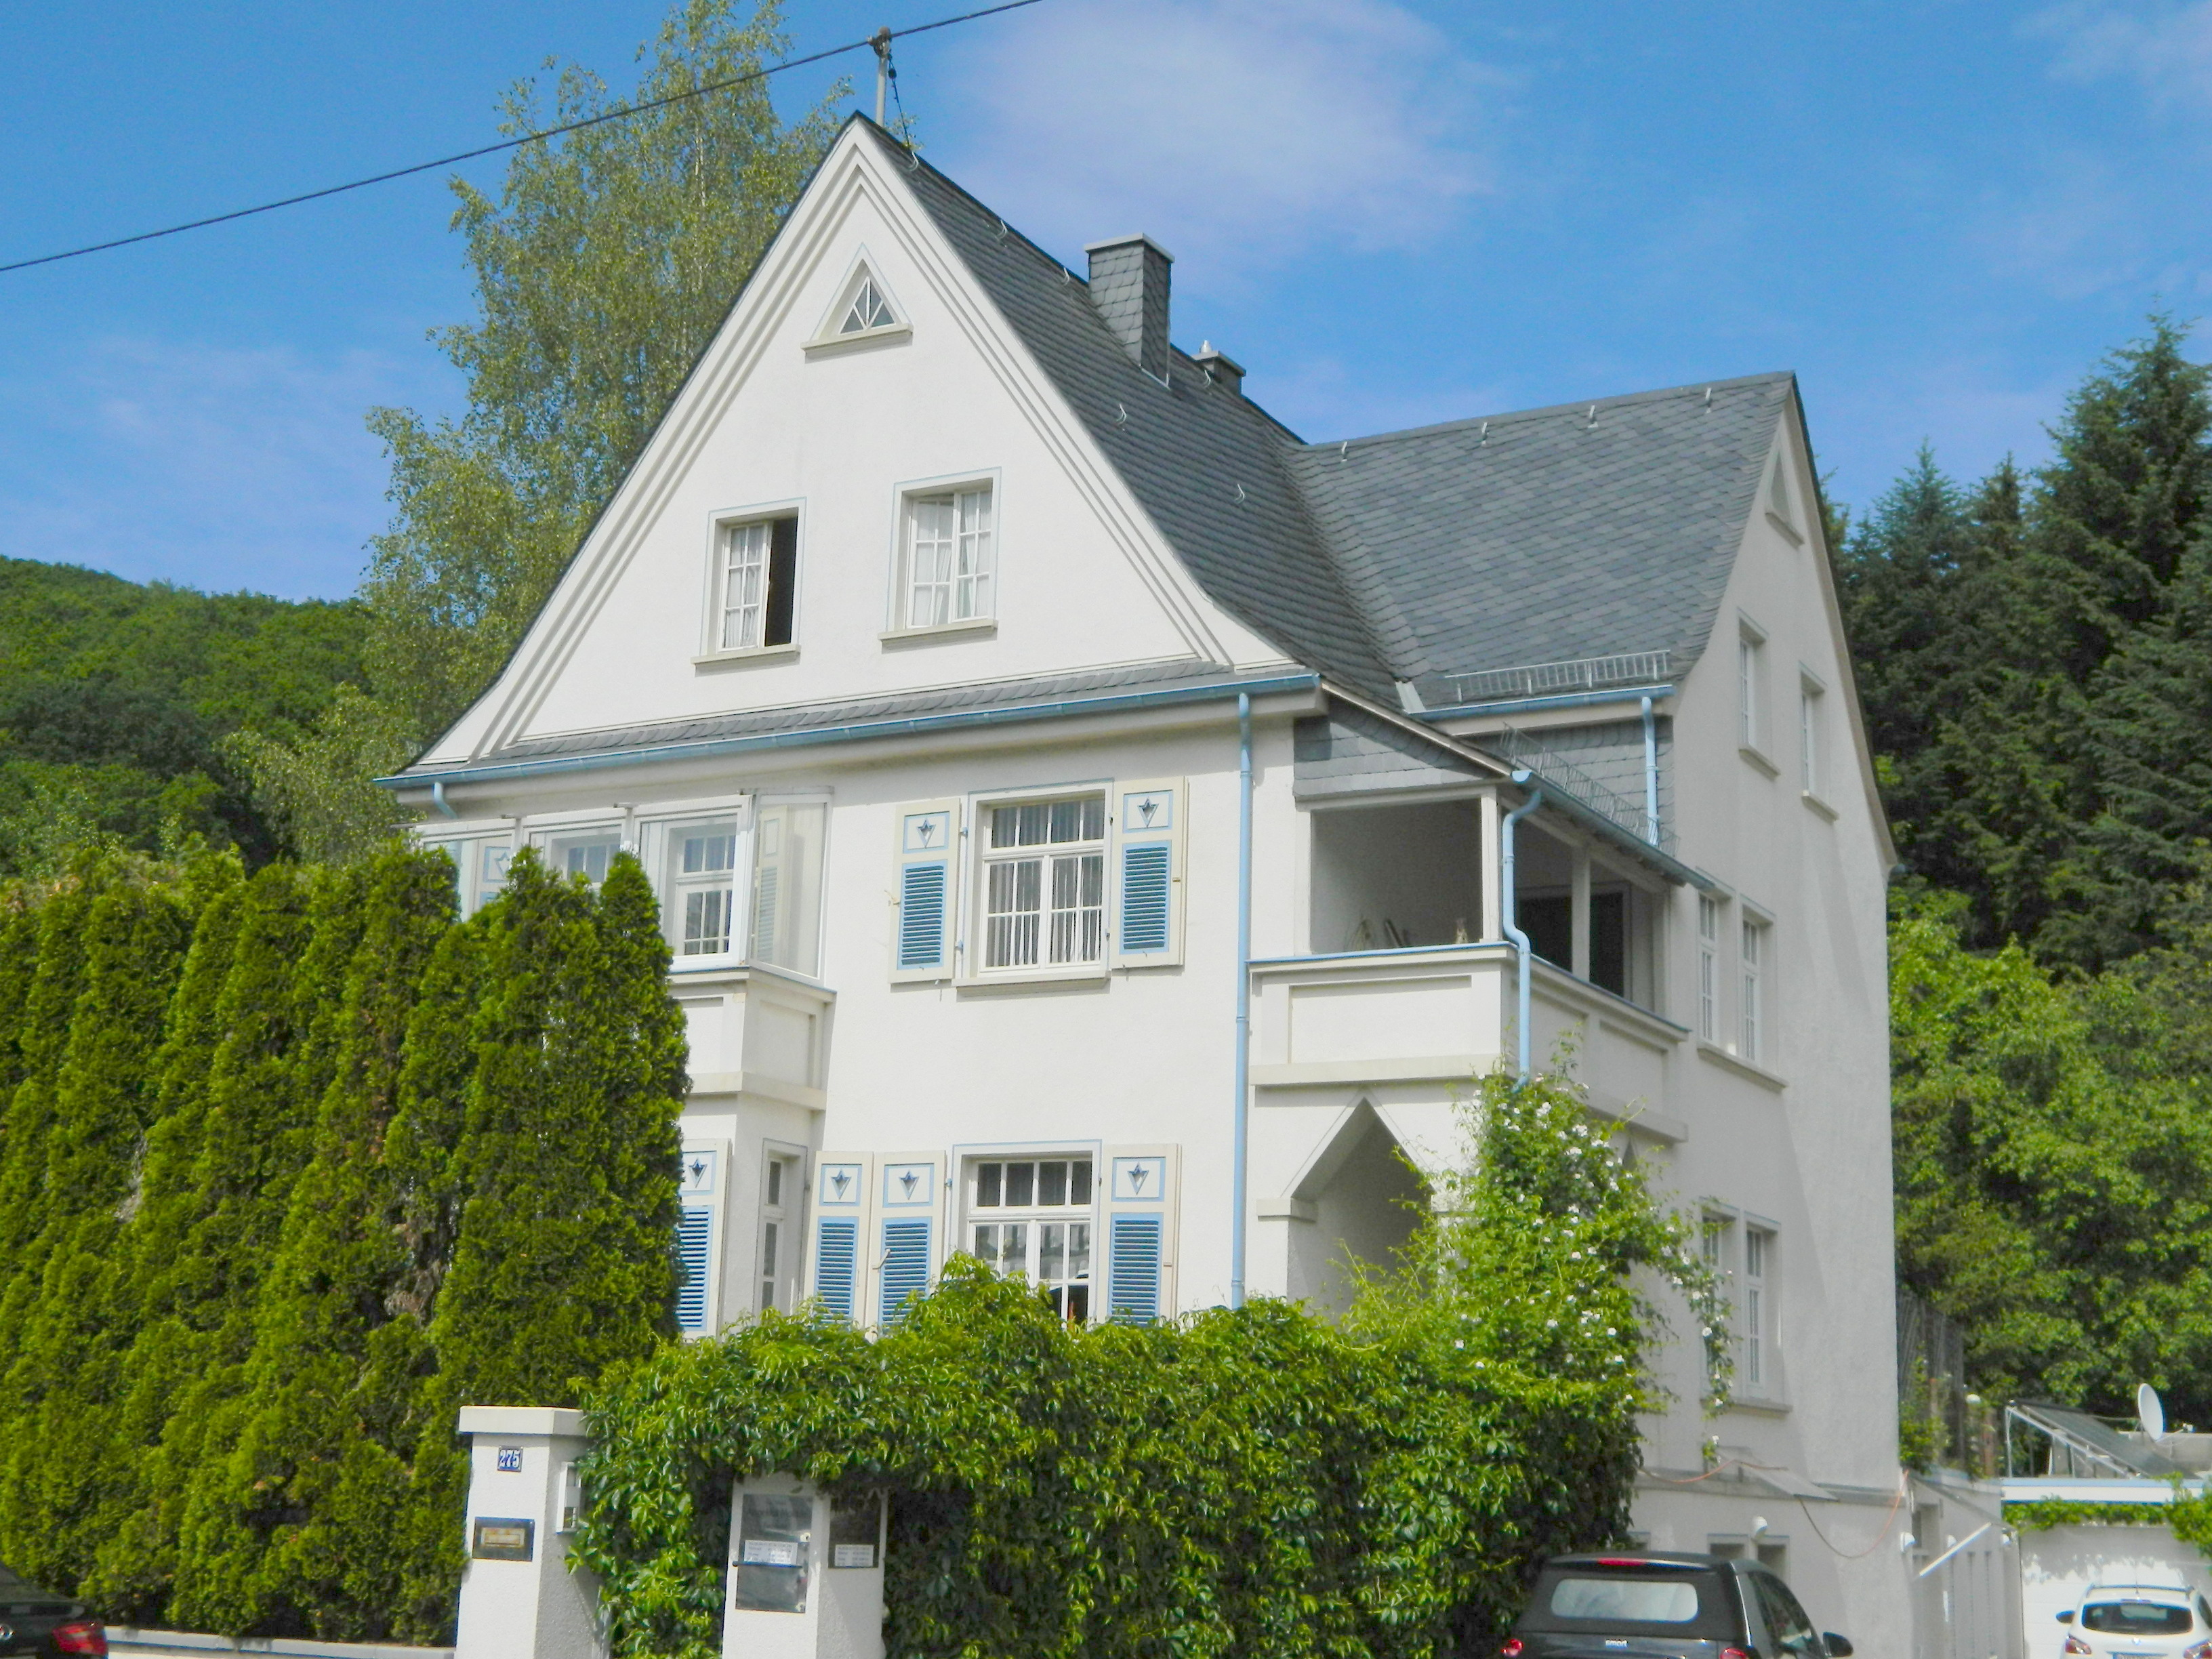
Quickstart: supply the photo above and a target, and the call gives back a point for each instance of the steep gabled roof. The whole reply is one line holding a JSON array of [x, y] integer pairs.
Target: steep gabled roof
[[1210, 466], [1541, 536], [1552, 535]]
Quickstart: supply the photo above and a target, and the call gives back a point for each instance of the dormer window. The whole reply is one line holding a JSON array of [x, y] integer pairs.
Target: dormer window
[[868, 310]]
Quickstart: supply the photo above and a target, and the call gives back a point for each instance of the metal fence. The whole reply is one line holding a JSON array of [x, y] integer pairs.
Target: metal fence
[[1546, 679]]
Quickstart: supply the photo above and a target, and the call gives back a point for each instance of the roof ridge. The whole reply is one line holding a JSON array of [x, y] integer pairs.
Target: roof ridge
[[1697, 388]]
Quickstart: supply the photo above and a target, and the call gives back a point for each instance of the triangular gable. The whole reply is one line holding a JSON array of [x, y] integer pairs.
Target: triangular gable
[[864, 180]]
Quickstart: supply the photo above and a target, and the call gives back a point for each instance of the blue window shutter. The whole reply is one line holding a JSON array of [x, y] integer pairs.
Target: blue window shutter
[[1145, 872], [1133, 1268], [906, 1266], [922, 915], [837, 1256], [695, 1235]]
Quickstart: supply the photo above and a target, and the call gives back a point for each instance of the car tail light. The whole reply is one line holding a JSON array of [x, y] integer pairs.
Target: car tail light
[[1733, 1653], [86, 1636], [2202, 1650], [2075, 1645], [1513, 1646]]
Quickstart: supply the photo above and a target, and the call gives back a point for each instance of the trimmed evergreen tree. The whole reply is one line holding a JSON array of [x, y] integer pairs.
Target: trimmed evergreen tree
[[60, 1470], [295, 1522]]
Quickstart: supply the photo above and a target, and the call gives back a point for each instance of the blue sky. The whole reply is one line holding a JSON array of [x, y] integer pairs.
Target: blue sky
[[1391, 212]]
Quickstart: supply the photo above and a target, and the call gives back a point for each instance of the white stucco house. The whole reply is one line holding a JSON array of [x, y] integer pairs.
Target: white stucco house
[[963, 660]]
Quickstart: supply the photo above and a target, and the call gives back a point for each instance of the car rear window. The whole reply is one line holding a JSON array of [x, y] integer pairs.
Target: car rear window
[[1659, 1601], [1641, 1601], [2135, 1618]]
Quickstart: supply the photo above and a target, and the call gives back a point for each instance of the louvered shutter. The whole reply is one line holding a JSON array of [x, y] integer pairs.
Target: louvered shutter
[[926, 895], [842, 1181], [1148, 827], [907, 1195], [699, 1192], [694, 1239], [906, 1266], [1141, 1183]]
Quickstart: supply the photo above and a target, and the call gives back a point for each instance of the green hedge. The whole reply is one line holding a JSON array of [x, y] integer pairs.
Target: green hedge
[[291, 1168], [1255, 1483]]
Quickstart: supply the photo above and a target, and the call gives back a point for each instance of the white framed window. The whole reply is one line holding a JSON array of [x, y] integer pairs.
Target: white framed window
[[789, 838], [1717, 1246], [1755, 1310], [1811, 713], [699, 887], [587, 853], [1754, 967], [1750, 687], [783, 1192], [865, 311], [948, 559], [755, 591], [1709, 968], [480, 861], [1043, 885], [1033, 1216], [1777, 490]]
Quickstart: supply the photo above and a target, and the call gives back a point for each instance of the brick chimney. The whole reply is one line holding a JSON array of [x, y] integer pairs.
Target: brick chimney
[[1129, 286]]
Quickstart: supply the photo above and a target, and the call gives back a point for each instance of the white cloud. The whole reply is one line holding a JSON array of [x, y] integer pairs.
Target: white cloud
[[1244, 131], [2168, 47], [212, 466]]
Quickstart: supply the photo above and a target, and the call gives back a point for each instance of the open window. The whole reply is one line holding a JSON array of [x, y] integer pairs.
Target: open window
[[755, 591]]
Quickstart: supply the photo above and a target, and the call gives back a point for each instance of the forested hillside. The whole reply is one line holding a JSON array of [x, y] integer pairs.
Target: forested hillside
[[2034, 654], [116, 701]]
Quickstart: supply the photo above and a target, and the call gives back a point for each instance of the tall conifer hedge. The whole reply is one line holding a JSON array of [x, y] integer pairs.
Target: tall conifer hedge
[[291, 1168]]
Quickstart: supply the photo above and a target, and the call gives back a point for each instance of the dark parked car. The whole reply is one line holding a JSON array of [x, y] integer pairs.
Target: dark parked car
[[1653, 1604], [36, 1622]]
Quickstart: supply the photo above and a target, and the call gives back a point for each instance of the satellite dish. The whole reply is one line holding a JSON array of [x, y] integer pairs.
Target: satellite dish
[[2150, 1410]]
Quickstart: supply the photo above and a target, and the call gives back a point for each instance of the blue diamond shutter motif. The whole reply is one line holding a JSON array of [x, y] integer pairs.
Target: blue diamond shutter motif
[[837, 1258], [921, 915], [695, 1235], [906, 1266], [1145, 868], [1132, 1270]]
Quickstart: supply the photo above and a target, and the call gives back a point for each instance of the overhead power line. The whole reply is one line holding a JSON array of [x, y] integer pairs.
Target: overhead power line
[[624, 114]]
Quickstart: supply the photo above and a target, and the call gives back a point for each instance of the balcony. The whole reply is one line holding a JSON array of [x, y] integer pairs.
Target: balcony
[[756, 1029], [1440, 1014]]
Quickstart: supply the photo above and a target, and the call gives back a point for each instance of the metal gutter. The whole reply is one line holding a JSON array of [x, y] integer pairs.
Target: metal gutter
[[858, 731], [1530, 705]]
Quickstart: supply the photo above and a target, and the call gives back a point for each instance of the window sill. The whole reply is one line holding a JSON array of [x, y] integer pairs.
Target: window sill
[[749, 654], [973, 627], [1039, 980], [1784, 526], [1759, 1404], [894, 333], [1815, 804], [1742, 1067], [1758, 759]]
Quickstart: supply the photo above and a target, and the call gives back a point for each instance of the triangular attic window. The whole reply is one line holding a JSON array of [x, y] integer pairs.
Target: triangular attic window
[[868, 310]]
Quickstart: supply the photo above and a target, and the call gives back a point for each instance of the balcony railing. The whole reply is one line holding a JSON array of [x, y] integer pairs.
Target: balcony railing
[[1546, 679]]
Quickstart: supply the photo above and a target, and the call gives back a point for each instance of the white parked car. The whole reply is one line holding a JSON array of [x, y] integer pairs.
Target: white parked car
[[2138, 1621]]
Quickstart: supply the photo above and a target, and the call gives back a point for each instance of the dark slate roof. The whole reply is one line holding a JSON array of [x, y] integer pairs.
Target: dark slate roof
[[1552, 535], [1210, 466], [855, 716], [1527, 538]]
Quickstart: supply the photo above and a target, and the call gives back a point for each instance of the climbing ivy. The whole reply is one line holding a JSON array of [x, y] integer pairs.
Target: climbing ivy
[[1254, 1482]]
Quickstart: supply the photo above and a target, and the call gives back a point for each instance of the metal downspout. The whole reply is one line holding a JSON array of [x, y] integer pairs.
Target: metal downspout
[[1650, 775], [438, 798], [1511, 908], [1242, 1121]]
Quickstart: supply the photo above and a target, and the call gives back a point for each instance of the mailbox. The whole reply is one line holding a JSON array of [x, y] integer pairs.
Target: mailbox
[[806, 1573]]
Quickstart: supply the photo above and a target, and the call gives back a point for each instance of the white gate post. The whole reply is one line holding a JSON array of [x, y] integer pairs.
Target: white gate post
[[806, 1574], [518, 1598]]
